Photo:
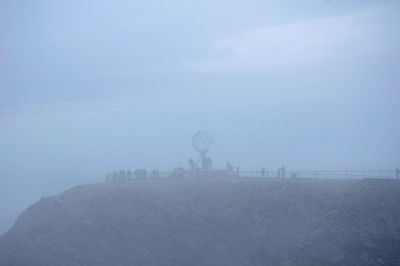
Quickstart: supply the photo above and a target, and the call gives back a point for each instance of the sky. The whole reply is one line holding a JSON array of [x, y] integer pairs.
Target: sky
[[87, 87]]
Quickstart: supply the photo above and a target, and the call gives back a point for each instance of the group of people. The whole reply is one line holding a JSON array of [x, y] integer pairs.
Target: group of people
[[178, 172], [128, 174], [206, 163], [280, 173], [229, 167], [142, 173]]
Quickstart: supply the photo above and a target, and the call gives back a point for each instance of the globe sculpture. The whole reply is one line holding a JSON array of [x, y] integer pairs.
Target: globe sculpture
[[202, 143]]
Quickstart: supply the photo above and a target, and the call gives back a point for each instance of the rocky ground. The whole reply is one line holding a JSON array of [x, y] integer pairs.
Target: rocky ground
[[211, 221], [362, 227]]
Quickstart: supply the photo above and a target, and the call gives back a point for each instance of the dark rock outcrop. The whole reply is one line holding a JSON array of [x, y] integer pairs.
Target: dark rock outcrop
[[361, 228], [225, 221]]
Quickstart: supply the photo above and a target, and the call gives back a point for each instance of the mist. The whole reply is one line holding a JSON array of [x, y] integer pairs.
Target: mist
[[89, 88]]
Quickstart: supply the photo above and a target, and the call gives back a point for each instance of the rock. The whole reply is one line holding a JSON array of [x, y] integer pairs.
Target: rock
[[211, 221]]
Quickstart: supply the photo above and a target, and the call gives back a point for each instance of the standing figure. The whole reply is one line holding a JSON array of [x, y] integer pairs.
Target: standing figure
[[144, 173], [397, 173], [263, 172], [140, 173], [278, 175], [237, 171], [121, 174], [228, 166], [191, 164]]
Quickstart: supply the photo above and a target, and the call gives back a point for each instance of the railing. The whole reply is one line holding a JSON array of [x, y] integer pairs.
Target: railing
[[327, 174], [337, 174]]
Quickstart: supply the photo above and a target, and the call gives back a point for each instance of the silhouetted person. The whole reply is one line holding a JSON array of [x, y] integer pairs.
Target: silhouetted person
[[191, 164], [228, 166], [278, 174], [263, 172], [121, 174], [136, 173], [397, 173], [283, 171], [144, 173], [129, 174]]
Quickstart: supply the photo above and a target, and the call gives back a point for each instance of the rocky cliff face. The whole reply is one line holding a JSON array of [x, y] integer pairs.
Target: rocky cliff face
[[362, 227], [226, 221]]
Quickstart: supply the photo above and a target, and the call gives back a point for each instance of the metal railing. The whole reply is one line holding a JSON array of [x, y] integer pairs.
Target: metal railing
[[336, 174], [322, 174]]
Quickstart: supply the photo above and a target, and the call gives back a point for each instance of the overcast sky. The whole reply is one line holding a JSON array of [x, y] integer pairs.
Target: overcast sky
[[87, 87]]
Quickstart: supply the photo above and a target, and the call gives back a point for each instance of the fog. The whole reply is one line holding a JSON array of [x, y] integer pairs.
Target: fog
[[95, 86]]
